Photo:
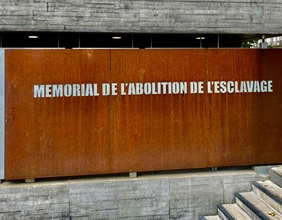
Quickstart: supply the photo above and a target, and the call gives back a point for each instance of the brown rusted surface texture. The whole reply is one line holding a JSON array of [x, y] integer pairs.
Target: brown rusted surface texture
[[67, 136], [158, 132], [62, 136], [244, 128]]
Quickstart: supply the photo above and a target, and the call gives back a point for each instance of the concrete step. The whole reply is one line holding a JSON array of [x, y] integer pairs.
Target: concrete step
[[255, 207], [275, 175], [210, 217], [263, 203], [232, 212], [270, 193]]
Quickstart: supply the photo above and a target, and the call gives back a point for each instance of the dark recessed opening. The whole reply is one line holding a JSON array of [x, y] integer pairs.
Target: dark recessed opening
[[121, 40], [175, 41], [210, 41], [142, 41], [29, 39], [68, 40], [105, 40], [230, 40]]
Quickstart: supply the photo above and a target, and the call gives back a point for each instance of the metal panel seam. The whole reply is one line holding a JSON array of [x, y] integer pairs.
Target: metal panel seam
[[2, 115]]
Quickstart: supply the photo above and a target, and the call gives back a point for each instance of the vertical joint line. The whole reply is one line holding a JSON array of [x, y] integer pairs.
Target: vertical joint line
[[201, 41], [78, 40], [1, 36], [58, 40], [2, 114]]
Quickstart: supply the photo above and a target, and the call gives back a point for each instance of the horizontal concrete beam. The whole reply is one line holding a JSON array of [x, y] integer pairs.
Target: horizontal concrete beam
[[182, 16], [160, 196]]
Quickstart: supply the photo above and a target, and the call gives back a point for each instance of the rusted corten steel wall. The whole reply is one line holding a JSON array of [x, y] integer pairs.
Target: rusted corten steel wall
[[63, 120]]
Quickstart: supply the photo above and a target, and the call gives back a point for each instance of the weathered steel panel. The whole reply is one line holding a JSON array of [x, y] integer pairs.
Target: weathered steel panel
[[154, 132], [241, 124], [145, 112], [59, 136]]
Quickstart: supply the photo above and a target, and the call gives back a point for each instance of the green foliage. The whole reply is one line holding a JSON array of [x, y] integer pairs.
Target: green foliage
[[249, 44]]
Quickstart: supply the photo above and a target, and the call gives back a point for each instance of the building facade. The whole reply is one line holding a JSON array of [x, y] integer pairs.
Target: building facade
[[143, 23]]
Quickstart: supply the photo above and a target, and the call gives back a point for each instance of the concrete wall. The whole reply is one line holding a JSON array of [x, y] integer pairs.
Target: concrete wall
[[156, 16], [170, 196]]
